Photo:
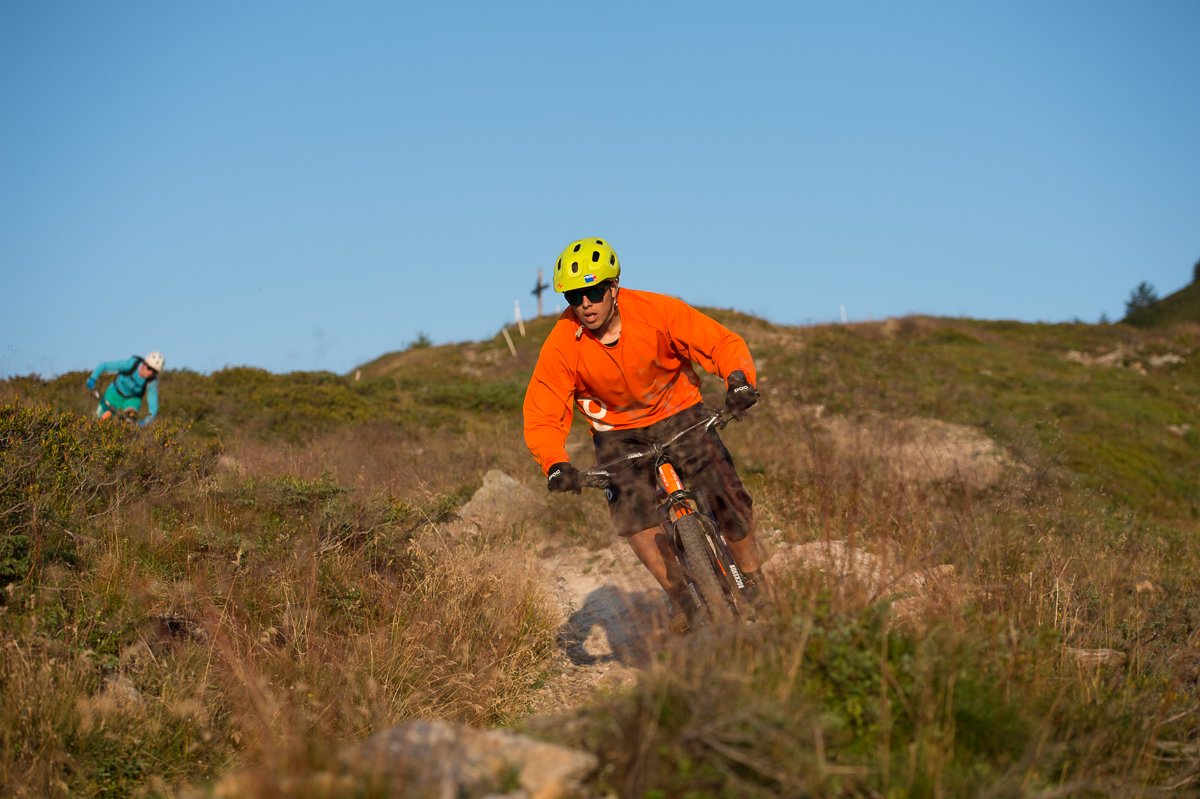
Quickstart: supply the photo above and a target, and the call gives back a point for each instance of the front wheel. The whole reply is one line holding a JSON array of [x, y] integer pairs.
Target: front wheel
[[695, 545]]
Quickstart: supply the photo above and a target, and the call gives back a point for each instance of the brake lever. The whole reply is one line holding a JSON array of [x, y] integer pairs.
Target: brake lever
[[596, 479]]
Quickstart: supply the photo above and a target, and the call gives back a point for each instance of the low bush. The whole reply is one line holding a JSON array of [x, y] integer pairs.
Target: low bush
[[164, 621], [57, 470]]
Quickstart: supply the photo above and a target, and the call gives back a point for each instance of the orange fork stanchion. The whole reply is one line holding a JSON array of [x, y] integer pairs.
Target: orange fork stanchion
[[670, 481]]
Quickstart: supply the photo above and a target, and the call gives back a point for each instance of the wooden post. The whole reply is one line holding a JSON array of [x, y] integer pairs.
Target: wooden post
[[538, 289]]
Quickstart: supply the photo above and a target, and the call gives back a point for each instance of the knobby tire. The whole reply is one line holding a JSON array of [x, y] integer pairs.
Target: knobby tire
[[691, 535]]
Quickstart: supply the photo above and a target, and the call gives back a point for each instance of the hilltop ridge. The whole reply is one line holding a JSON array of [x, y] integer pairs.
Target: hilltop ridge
[[1182, 306], [1119, 415], [1111, 402]]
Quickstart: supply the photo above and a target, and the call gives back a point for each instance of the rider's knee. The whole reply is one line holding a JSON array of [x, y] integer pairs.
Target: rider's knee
[[738, 532]]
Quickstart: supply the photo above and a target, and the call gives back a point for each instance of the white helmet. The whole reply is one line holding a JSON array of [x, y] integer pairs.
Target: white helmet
[[154, 360]]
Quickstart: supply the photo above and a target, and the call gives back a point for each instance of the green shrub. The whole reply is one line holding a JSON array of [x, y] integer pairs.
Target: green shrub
[[57, 469]]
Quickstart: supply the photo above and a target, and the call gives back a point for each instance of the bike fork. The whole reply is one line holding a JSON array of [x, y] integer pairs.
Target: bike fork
[[720, 559]]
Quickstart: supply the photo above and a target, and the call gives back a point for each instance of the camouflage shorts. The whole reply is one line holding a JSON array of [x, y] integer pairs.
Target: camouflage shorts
[[702, 461]]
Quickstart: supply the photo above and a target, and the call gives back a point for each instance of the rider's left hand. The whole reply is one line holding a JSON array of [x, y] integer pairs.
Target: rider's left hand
[[91, 384], [740, 395]]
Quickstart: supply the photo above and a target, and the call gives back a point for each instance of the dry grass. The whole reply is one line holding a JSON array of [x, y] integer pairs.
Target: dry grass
[[959, 654], [254, 620], [377, 458], [310, 593]]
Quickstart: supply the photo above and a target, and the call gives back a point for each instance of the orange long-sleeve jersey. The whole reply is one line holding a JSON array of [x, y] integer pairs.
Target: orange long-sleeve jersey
[[642, 379]]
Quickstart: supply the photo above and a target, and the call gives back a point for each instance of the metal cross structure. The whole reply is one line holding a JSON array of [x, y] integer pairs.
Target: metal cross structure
[[538, 289]]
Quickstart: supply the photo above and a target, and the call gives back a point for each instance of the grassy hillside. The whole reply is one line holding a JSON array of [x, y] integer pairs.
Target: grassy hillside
[[1109, 427], [270, 573], [1180, 307]]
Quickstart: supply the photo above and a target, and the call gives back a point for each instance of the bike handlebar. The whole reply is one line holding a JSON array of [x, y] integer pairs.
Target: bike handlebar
[[598, 476]]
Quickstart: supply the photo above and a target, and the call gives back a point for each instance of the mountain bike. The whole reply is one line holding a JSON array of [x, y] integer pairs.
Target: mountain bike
[[129, 415], [692, 530]]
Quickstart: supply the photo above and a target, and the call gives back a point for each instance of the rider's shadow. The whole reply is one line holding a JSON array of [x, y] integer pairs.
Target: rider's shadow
[[615, 625]]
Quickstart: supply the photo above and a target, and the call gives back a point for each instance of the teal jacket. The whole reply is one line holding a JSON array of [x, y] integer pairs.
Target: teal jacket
[[129, 384]]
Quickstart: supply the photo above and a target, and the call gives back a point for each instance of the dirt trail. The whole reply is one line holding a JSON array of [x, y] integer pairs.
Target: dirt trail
[[613, 617]]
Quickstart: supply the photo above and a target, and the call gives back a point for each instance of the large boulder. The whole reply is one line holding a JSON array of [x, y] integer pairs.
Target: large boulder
[[501, 501], [431, 760], [454, 761]]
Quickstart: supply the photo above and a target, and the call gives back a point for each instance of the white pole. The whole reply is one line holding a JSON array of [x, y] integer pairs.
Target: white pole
[[843, 313], [517, 313], [508, 338]]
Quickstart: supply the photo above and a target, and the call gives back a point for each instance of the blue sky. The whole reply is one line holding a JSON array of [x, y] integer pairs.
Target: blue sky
[[309, 185]]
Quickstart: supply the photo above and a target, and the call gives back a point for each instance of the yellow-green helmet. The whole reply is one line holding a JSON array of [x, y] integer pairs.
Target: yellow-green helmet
[[584, 263]]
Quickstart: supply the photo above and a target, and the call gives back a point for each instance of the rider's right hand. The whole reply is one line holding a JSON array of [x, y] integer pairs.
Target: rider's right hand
[[740, 395], [564, 477], [91, 384]]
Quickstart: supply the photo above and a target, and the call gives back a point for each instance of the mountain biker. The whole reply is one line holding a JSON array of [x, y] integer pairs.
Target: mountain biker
[[137, 377], [625, 358]]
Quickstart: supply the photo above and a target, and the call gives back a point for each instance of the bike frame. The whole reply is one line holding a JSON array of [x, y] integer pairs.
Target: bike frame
[[679, 502]]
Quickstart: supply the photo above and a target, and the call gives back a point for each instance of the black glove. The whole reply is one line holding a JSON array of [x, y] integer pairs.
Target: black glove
[[564, 477], [740, 394]]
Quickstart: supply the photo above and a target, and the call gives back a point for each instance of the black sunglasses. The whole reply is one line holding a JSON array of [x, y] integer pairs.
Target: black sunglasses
[[593, 293]]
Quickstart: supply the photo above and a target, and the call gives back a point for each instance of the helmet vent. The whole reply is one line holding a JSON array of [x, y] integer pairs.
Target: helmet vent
[[595, 256], [575, 267], [577, 246], [612, 260], [559, 267], [600, 242]]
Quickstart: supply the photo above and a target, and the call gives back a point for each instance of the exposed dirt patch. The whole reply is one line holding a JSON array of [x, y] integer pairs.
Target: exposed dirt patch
[[923, 450], [613, 618], [915, 591], [913, 450]]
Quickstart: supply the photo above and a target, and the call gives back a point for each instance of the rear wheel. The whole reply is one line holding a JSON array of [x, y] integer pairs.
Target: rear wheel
[[691, 535]]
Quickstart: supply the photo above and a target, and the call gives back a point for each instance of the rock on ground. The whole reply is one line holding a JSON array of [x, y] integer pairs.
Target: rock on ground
[[456, 761], [501, 501], [438, 760]]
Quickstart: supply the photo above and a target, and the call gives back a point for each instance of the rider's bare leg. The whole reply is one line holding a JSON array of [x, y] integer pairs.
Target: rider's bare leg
[[745, 553], [651, 547]]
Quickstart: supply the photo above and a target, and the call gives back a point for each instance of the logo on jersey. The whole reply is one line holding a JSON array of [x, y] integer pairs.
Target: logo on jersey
[[595, 414]]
